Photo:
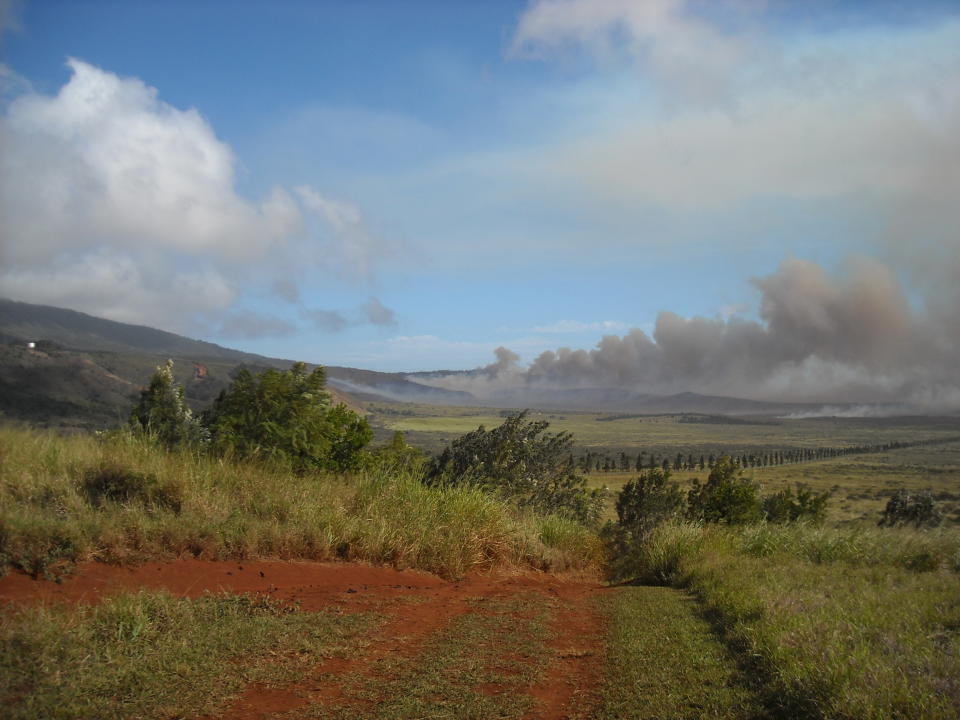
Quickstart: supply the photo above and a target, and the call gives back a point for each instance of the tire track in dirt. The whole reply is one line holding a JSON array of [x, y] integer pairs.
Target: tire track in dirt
[[417, 605]]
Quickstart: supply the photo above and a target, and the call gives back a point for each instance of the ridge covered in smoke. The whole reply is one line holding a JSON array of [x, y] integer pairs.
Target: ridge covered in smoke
[[852, 338]]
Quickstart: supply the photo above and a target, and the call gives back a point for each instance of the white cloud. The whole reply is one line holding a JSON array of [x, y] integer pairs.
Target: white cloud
[[348, 243], [575, 326], [119, 204], [689, 58], [856, 126], [106, 161]]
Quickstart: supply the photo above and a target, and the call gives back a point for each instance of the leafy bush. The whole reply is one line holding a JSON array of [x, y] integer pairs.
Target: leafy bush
[[162, 412], [521, 464], [287, 416], [806, 505], [726, 497], [648, 500], [905, 508]]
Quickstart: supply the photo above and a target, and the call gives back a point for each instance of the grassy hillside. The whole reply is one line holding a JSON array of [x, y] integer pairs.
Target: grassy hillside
[[65, 500], [831, 623]]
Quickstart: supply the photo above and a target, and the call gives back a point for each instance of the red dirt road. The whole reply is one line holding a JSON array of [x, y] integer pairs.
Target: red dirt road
[[577, 626]]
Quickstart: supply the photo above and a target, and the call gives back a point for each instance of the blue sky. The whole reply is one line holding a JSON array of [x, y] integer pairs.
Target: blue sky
[[407, 186]]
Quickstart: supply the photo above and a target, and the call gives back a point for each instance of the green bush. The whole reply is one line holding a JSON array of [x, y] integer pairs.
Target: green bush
[[648, 500], [905, 508], [287, 417], [806, 505], [520, 463], [726, 497]]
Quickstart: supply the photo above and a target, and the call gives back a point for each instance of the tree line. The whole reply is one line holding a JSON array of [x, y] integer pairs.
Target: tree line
[[626, 462]]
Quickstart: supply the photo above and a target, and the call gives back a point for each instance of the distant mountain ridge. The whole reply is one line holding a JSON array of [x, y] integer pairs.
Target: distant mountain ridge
[[76, 330], [87, 371]]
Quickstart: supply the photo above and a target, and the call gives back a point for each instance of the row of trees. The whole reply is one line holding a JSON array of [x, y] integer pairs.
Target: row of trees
[[624, 462], [284, 416]]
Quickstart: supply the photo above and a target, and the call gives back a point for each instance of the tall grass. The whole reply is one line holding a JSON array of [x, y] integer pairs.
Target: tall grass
[[150, 655], [118, 499], [836, 623]]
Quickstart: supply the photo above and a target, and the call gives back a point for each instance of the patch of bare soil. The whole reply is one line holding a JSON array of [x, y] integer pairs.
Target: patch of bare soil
[[417, 604], [578, 646]]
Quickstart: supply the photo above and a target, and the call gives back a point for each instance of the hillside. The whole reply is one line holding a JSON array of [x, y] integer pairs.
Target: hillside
[[86, 371]]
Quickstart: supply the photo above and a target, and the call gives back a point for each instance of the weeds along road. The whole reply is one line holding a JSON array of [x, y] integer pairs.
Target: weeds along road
[[394, 644]]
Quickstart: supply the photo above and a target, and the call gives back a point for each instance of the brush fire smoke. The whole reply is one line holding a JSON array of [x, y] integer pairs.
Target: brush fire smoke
[[853, 339]]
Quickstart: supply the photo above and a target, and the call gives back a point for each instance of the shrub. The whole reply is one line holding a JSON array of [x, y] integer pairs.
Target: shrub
[[806, 505], [648, 500], [286, 416], [726, 497], [522, 464], [904, 508]]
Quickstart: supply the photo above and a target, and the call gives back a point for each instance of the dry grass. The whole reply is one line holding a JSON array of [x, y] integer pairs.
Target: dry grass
[[68, 499]]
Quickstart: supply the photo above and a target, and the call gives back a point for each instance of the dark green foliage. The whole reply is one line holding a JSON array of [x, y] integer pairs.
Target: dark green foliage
[[648, 500], [286, 416], [806, 505], [522, 464], [162, 412], [643, 504], [917, 509], [115, 484], [726, 497]]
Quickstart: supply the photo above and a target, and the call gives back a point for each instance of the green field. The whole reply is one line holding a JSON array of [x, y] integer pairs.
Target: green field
[[860, 483]]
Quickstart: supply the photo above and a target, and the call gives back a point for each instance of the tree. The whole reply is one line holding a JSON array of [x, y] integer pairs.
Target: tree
[[646, 501], [162, 413], [287, 416], [726, 497], [521, 464]]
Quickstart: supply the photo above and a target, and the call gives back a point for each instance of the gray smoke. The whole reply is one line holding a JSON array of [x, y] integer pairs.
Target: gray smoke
[[848, 339]]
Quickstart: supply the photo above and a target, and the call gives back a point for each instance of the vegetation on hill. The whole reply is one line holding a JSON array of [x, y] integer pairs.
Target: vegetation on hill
[[520, 463], [118, 498]]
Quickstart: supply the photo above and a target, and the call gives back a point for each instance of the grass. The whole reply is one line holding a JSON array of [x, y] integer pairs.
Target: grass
[[835, 623], [68, 499], [476, 668], [665, 663], [150, 655], [432, 426]]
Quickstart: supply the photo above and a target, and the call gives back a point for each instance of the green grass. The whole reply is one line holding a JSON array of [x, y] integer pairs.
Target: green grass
[[836, 623], [432, 426], [665, 663], [54, 511], [476, 668], [149, 655]]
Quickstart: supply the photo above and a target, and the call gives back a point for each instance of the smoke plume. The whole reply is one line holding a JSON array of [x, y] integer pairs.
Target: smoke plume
[[853, 338]]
